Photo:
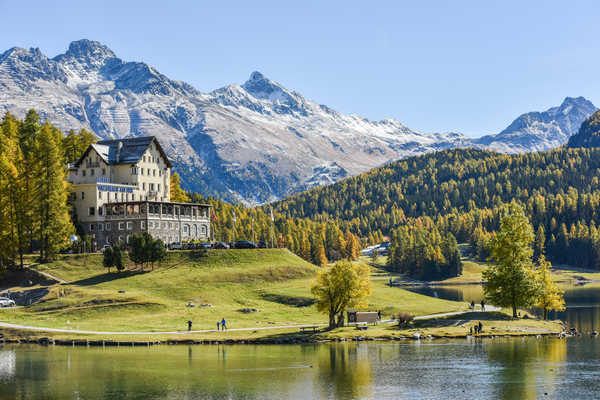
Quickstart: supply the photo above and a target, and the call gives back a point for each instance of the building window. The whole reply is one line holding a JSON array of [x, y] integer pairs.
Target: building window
[[133, 172], [82, 195], [122, 196], [143, 185], [144, 158], [91, 172], [143, 225], [99, 195], [107, 226], [103, 171], [101, 227], [158, 187], [129, 226], [121, 226], [142, 171], [92, 227], [100, 210], [152, 186], [83, 172], [153, 172], [186, 229], [92, 211], [148, 170], [133, 196], [116, 198]]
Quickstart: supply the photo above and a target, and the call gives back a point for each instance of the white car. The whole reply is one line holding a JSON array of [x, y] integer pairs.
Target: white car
[[6, 302]]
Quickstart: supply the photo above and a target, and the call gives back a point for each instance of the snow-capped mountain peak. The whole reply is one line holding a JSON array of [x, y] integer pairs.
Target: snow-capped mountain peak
[[87, 51], [253, 142]]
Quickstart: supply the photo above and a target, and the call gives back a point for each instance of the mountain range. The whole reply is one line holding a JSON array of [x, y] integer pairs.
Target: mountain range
[[254, 142]]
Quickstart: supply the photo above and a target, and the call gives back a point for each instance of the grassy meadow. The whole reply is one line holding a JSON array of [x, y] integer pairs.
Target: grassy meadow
[[275, 282]]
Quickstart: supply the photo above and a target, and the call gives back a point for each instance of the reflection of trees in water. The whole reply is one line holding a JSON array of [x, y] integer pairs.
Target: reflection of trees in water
[[344, 371], [527, 368], [456, 293]]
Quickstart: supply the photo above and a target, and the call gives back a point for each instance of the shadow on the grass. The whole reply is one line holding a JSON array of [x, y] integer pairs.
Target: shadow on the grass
[[106, 277]]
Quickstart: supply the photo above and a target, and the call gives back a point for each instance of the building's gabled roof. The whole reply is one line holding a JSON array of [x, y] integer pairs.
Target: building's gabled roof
[[124, 151]]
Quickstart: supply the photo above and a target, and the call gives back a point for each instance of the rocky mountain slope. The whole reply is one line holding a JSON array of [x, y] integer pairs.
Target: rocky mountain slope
[[538, 131], [253, 142]]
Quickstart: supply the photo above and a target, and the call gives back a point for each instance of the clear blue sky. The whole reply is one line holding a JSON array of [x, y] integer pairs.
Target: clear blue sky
[[470, 66]]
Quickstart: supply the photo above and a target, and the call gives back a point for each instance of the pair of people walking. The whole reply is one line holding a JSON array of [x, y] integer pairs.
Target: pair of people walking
[[221, 325]]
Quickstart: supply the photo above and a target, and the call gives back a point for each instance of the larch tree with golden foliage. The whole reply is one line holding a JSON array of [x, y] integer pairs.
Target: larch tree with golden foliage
[[342, 286], [178, 195], [53, 222], [550, 297]]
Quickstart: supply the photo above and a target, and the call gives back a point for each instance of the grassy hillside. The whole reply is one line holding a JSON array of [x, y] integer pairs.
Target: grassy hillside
[[276, 282]]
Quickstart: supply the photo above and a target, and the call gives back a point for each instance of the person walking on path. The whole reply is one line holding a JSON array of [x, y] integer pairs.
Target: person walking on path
[[189, 326], [480, 327], [482, 305], [223, 324], [472, 305], [218, 325]]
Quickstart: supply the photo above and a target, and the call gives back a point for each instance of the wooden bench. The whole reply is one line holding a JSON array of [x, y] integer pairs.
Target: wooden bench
[[308, 329], [361, 326]]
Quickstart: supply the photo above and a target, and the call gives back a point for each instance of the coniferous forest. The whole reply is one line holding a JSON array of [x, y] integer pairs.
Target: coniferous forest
[[463, 193], [425, 204]]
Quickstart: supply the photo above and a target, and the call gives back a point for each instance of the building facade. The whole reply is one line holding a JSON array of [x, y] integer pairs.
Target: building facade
[[122, 187]]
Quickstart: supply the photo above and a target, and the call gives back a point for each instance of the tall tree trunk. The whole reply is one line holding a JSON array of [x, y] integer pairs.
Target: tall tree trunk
[[331, 319]]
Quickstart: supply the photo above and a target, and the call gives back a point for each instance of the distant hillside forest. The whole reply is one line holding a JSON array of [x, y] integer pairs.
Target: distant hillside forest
[[462, 193]]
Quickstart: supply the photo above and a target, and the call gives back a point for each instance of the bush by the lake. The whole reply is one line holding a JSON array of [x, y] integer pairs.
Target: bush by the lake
[[404, 318]]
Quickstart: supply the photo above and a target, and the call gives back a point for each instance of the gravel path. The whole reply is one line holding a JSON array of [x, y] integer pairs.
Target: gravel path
[[41, 329]]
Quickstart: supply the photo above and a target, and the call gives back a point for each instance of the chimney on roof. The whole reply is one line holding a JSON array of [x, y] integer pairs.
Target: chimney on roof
[[118, 155]]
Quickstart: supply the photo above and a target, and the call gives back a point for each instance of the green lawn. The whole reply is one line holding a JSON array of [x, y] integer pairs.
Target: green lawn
[[276, 282]]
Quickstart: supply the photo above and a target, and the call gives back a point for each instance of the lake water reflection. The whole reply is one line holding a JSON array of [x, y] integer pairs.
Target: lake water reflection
[[469, 369]]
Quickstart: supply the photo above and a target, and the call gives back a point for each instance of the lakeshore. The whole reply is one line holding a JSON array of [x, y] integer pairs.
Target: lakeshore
[[264, 294]]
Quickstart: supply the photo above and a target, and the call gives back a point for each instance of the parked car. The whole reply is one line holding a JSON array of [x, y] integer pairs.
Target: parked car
[[206, 245], [262, 244], [220, 245], [176, 246], [6, 302], [245, 244], [384, 248]]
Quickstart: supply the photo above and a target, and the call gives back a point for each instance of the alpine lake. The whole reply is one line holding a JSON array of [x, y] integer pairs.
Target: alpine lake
[[498, 368]]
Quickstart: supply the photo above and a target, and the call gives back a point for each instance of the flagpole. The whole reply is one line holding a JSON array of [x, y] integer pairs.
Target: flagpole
[[272, 227], [234, 220]]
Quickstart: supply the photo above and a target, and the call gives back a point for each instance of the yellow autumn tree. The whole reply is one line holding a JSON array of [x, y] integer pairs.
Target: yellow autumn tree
[[342, 286], [550, 297], [177, 193]]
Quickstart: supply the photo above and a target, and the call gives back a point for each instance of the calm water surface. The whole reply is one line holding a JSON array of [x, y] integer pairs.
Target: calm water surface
[[489, 369]]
